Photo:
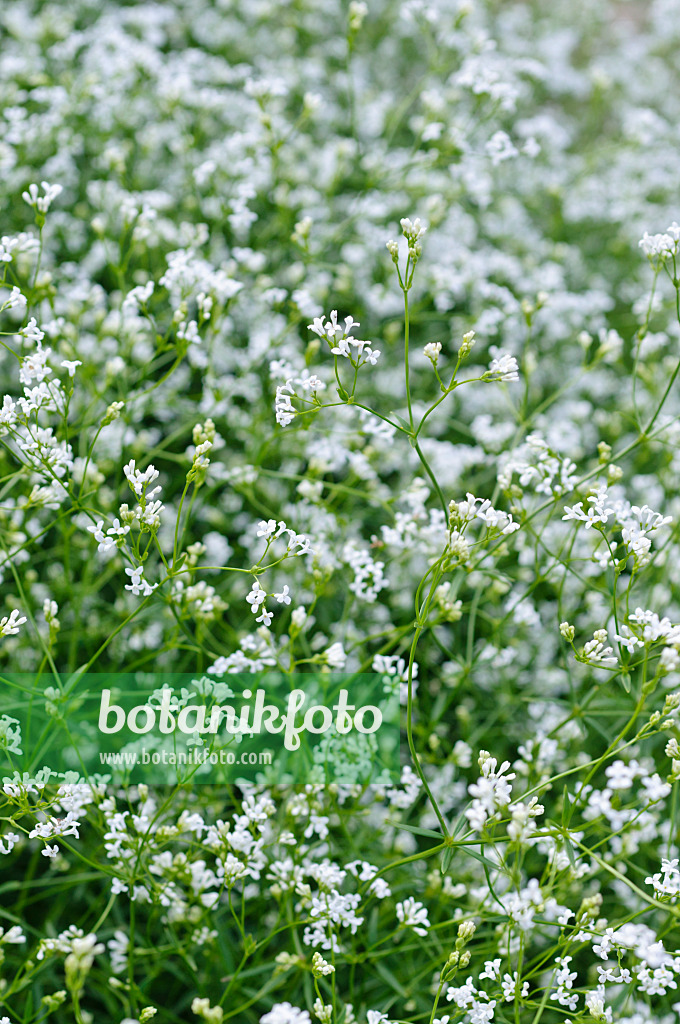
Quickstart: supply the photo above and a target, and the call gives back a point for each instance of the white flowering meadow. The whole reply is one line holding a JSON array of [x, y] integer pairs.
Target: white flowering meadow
[[346, 337]]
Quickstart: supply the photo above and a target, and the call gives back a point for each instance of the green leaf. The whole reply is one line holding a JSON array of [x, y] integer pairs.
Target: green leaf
[[418, 831], [477, 856], [401, 421], [387, 976]]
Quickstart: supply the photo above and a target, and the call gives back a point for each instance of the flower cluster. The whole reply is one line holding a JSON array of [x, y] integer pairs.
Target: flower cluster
[[341, 341], [205, 474]]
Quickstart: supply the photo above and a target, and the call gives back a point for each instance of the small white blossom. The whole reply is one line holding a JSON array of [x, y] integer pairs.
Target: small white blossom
[[413, 914], [43, 202], [503, 368], [9, 625]]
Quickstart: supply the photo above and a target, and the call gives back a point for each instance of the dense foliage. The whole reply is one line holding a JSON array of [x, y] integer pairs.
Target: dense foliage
[[347, 338]]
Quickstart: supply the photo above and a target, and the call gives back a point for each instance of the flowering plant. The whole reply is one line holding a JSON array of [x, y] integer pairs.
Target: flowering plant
[[210, 467]]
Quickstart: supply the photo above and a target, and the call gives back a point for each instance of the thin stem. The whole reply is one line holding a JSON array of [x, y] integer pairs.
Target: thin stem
[[406, 367], [674, 375]]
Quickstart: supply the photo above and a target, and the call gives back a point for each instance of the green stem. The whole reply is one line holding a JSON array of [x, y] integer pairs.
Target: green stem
[[406, 368]]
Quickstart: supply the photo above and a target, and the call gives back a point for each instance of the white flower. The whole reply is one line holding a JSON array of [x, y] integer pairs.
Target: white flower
[[503, 368], [256, 596], [511, 987], [38, 202], [138, 585], [119, 947], [267, 529], [323, 1011], [655, 787], [666, 882], [16, 300], [139, 481], [34, 366], [9, 625], [595, 651], [149, 516], [467, 344], [670, 659], [500, 147], [341, 340], [67, 826], [595, 515], [116, 530], [138, 296], [283, 406], [491, 791], [285, 1013], [629, 642], [662, 246], [8, 841], [595, 1004], [335, 656], [298, 617], [71, 365], [32, 332], [413, 915], [412, 230], [210, 1014], [105, 543], [491, 970], [320, 966]]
